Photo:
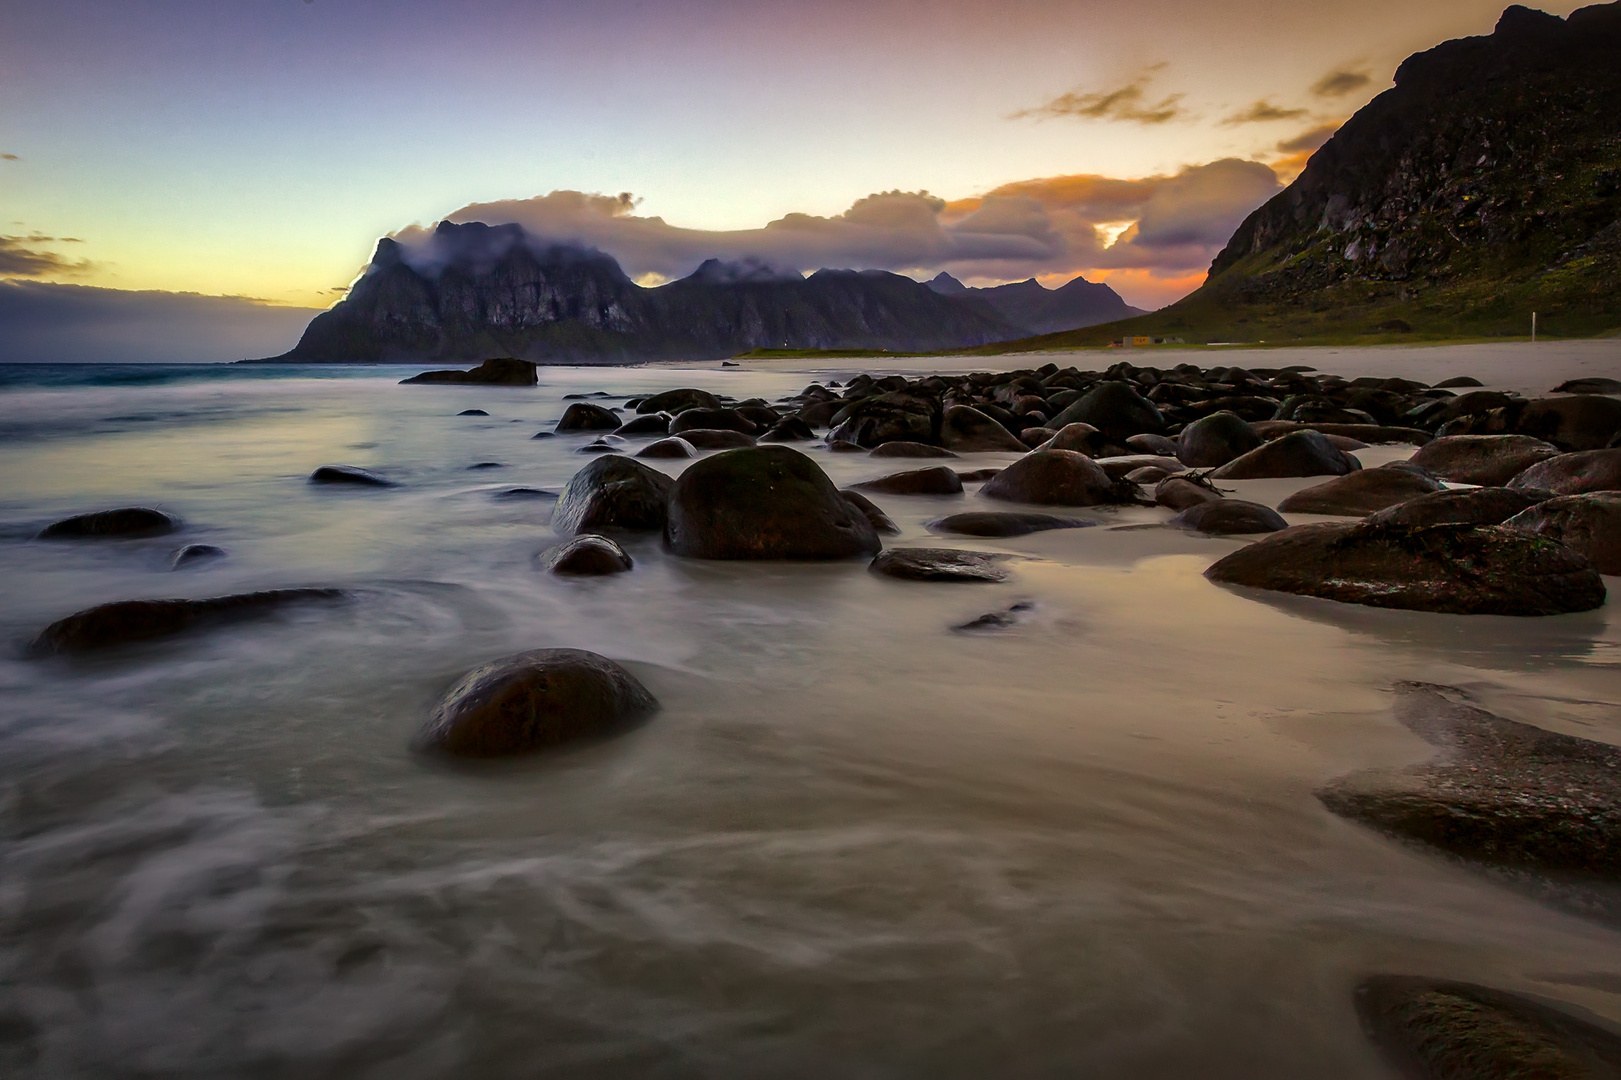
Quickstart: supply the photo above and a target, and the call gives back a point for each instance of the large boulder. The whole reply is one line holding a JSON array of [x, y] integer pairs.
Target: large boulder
[[531, 701], [716, 438], [587, 555], [1229, 517], [939, 480], [127, 621], [504, 371], [645, 424], [1212, 441], [125, 521], [584, 416], [1114, 408], [673, 447], [889, 417], [712, 420], [1057, 478], [1003, 523], [1360, 493], [967, 430], [676, 401], [1458, 569], [764, 502], [940, 564], [613, 492], [1467, 506], [1573, 474], [1487, 460], [1299, 453], [1580, 422], [1589, 524]]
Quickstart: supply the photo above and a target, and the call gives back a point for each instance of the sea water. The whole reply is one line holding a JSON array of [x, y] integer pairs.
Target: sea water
[[855, 842]]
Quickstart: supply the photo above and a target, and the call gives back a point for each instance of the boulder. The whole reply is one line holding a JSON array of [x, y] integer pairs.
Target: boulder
[[940, 564], [472, 412], [1438, 1030], [645, 424], [676, 401], [1368, 433], [587, 554], [1212, 441], [1594, 385], [716, 438], [1580, 422], [910, 450], [1081, 438], [348, 474], [997, 620], [1573, 474], [974, 476], [1457, 569], [505, 371], [1588, 524], [1359, 493], [1299, 453], [532, 701], [967, 430], [601, 445], [788, 429], [192, 554], [712, 420], [673, 447], [1181, 492], [1149, 474], [1157, 445], [1000, 523], [613, 492], [1229, 517], [1057, 478], [1116, 409], [125, 521], [1458, 382], [127, 621], [882, 523], [938, 480], [584, 416], [1487, 460], [764, 502], [888, 417], [1116, 467], [1469, 506]]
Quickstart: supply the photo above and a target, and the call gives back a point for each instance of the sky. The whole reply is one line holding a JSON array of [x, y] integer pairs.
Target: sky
[[257, 150]]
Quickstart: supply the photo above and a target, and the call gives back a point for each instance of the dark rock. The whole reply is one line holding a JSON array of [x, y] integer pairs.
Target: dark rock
[[1158, 445], [973, 476], [487, 465], [472, 412], [1488, 460], [764, 502], [532, 701], [1299, 453], [525, 493], [125, 521], [1587, 524], [645, 424], [1434, 1030], [994, 523], [882, 523], [938, 480], [889, 417], [544, 435], [583, 416], [967, 430], [1116, 409], [716, 438], [1457, 569], [1081, 438], [1581, 422], [348, 474], [673, 447], [1149, 474], [587, 554], [712, 420], [129, 621], [602, 446], [1033, 437], [1214, 440], [1229, 517], [1594, 385], [1181, 492], [195, 553], [1374, 434], [1056, 478], [613, 492], [1457, 382], [1359, 493], [1573, 474], [844, 446], [677, 401], [1116, 467], [996, 620], [788, 429], [940, 564], [502, 372], [910, 450], [1471, 506]]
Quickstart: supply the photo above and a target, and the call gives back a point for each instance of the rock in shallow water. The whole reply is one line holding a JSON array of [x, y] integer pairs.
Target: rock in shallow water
[[995, 523], [125, 521], [1360, 493], [938, 480], [583, 416], [1457, 569], [613, 492], [348, 474], [882, 523], [505, 371], [1229, 517], [967, 430], [673, 447], [1573, 474], [587, 555], [940, 564], [128, 621], [192, 554], [1469, 506], [1214, 440], [1057, 478], [532, 701], [1299, 453], [1487, 460], [1588, 524]]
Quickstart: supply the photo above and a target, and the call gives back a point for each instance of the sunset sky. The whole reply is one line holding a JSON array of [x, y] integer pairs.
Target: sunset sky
[[260, 149]]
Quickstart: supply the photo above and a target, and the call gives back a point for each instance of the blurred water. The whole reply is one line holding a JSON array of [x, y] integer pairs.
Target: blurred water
[[853, 843]]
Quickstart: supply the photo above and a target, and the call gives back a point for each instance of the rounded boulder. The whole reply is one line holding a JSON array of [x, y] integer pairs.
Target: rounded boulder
[[613, 492]]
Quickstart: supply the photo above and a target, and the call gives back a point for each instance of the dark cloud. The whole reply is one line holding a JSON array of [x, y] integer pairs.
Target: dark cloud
[[1340, 83], [50, 323], [25, 256], [1310, 140], [1263, 112], [1128, 103]]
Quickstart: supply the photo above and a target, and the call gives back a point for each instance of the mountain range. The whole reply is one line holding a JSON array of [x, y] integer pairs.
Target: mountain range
[[480, 291]]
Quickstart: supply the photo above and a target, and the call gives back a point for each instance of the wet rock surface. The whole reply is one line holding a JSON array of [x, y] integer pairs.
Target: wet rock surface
[[1487, 460], [938, 480], [910, 450], [587, 555], [127, 521], [1360, 493], [195, 555], [1212, 441], [940, 564], [584, 416], [534, 701], [1003, 523], [348, 474], [882, 523], [126, 622], [1229, 517], [1181, 492], [1299, 453], [613, 492], [1056, 478], [1588, 524], [1573, 474], [1456, 569], [1469, 506]]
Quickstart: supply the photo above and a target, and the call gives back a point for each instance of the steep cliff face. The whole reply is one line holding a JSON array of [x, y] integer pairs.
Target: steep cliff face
[[1485, 184], [478, 291]]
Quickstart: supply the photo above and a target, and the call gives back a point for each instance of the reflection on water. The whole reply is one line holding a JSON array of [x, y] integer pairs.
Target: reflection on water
[[852, 843]]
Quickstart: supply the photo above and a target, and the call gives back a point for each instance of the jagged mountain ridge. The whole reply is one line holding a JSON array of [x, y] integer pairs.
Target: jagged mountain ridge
[[1041, 310], [480, 290]]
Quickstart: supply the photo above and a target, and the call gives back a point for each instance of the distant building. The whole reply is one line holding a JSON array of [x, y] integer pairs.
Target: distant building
[[1143, 340]]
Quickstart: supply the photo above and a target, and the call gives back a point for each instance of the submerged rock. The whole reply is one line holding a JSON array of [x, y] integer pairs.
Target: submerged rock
[[1573, 474], [788, 429], [1057, 478], [525, 493], [1487, 460], [1081, 438], [613, 492], [715, 438], [532, 701], [1116, 409], [192, 554], [1588, 524], [1458, 569], [996, 620], [1360, 493], [764, 502], [646, 424], [673, 447], [1593, 385], [910, 450], [348, 474], [1229, 517], [587, 554], [940, 564], [504, 371], [1003, 523], [126, 521], [938, 480], [1181, 492], [967, 430], [472, 412], [1299, 453], [127, 621], [719, 419]]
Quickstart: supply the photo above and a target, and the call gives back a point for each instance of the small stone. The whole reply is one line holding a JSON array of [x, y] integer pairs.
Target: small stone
[[587, 554]]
